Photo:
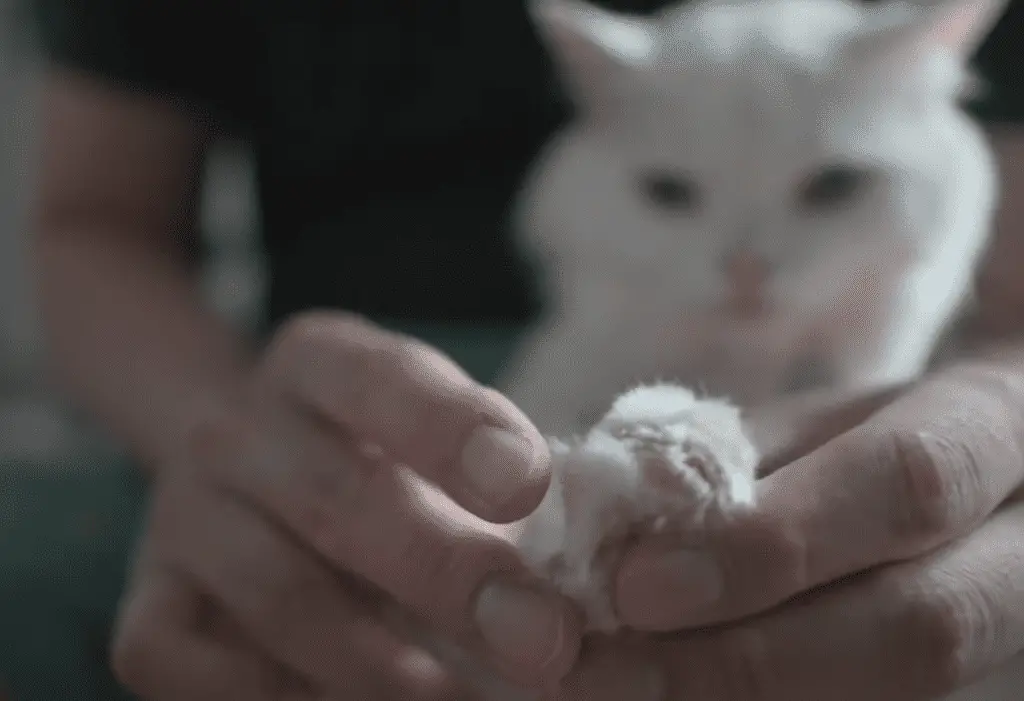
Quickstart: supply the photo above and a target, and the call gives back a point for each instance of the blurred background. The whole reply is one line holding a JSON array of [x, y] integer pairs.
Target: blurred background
[[67, 512], [65, 528], [34, 423], [68, 508]]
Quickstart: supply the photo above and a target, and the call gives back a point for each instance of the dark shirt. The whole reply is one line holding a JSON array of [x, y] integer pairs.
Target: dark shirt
[[389, 136]]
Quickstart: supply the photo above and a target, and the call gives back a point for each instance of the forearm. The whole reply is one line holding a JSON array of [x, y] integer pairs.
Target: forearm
[[129, 339], [999, 313]]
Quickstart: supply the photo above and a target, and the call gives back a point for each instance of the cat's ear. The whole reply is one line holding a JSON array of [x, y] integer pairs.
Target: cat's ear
[[592, 46], [957, 26]]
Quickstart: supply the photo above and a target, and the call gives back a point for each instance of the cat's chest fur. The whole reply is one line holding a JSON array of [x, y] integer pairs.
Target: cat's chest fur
[[790, 338]]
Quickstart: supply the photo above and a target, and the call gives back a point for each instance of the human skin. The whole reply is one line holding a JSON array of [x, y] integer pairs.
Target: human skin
[[283, 524], [882, 560], [135, 348]]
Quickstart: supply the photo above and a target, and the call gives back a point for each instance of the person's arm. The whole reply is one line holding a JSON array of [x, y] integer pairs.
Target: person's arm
[[1000, 286], [125, 326]]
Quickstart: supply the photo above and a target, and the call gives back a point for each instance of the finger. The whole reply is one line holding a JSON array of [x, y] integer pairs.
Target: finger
[[159, 654], [419, 407], [790, 429], [388, 675], [396, 531], [908, 632], [615, 669], [911, 632], [289, 604], [922, 471]]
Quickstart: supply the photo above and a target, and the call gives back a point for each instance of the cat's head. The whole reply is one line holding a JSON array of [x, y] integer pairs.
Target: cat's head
[[776, 127]]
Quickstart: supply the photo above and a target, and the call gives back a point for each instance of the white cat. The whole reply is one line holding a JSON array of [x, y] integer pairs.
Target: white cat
[[661, 458], [752, 190]]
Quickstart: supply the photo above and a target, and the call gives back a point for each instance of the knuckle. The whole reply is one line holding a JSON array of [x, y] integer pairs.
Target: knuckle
[[345, 320], [380, 365], [130, 654], [398, 382], [307, 335], [382, 361], [334, 502], [745, 667], [926, 492], [372, 377], [296, 344], [319, 355], [399, 359], [935, 626], [778, 550], [301, 332]]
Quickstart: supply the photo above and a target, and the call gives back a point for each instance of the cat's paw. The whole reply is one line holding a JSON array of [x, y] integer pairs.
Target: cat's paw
[[660, 459], [689, 449]]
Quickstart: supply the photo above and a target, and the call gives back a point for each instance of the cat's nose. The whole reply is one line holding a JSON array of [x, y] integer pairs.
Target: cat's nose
[[745, 268], [746, 275]]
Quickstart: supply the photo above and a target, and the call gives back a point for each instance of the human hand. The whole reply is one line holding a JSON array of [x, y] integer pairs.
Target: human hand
[[884, 564], [272, 547]]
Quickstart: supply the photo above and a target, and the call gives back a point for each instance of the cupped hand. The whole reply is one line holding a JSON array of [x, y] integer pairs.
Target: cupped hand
[[295, 518], [884, 564]]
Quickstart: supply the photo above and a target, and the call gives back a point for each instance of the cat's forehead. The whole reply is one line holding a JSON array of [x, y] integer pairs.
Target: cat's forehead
[[796, 30], [750, 68]]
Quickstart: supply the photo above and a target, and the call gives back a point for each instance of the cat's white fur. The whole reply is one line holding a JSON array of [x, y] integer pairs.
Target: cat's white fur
[[660, 458], [749, 99]]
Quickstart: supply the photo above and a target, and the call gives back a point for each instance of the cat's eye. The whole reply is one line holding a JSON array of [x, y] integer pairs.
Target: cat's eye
[[833, 187], [670, 192]]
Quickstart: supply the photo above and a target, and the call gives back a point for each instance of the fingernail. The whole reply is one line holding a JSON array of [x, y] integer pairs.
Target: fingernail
[[662, 590], [496, 463], [521, 626]]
